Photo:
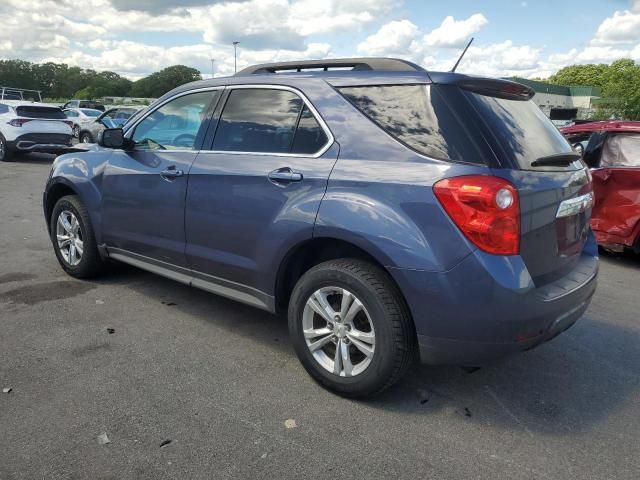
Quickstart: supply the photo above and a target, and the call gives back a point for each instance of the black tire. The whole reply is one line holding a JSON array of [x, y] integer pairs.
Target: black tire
[[76, 131], [85, 137], [395, 340], [6, 155], [91, 263]]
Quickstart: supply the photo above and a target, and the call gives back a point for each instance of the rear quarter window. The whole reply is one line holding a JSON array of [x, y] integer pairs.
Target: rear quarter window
[[419, 117]]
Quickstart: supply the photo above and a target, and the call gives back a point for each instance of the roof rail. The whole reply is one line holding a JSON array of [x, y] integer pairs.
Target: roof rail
[[371, 64]]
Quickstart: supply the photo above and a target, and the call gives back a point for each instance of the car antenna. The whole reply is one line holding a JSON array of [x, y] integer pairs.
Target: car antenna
[[461, 55]]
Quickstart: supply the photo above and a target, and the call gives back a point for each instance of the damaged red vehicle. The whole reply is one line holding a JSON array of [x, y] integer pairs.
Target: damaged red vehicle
[[612, 150]]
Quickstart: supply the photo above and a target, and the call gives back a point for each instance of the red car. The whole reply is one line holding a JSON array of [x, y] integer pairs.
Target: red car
[[612, 150]]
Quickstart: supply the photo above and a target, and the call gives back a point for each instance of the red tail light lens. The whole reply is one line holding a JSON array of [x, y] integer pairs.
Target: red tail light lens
[[18, 122], [486, 209]]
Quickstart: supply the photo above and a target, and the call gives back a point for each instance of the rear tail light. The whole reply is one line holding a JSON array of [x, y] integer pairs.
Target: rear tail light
[[68, 122], [18, 122], [486, 209]]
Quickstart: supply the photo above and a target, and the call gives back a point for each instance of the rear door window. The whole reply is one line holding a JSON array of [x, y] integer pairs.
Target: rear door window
[[521, 130], [417, 116], [258, 120], [309, 137]]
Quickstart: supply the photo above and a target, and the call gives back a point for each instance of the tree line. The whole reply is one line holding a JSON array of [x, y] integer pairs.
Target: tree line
[[619, 84], [61, 81]]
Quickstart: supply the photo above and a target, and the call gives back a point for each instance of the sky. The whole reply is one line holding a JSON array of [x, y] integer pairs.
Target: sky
[[532, 38]]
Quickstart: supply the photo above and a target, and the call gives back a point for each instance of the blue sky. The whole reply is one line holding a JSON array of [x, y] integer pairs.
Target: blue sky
[[525, 38]]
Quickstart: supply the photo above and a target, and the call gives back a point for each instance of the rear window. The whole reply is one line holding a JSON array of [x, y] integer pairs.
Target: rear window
[[417, 116], [522, 131], [51, 113]]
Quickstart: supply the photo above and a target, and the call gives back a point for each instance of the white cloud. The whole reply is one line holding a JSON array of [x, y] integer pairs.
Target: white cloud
[[455, 33], [391, 39], [622, 28]]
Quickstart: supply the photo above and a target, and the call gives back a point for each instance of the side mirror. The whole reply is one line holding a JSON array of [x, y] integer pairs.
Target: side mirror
[[112, 138]]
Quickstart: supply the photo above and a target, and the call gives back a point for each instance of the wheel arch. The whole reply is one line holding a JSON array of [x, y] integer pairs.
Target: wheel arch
[[305, 255], [55, 192]]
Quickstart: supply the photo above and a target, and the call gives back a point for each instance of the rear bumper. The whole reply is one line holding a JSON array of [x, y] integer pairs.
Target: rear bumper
[[41, 142], [488, 307]]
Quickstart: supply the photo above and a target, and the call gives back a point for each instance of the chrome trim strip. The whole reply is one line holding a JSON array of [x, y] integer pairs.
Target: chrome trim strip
[[219, 286], [573, 206], [307, 102], [32, 146]]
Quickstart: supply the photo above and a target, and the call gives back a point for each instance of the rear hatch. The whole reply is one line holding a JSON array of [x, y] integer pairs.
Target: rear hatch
[[553, 184], [42, 119]]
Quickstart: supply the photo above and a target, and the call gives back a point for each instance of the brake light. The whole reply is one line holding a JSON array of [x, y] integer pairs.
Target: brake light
[[486, 209], [68, 122], [18, 122]]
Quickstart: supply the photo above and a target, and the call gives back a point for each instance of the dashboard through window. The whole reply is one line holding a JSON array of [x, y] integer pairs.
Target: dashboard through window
[[176, 124]]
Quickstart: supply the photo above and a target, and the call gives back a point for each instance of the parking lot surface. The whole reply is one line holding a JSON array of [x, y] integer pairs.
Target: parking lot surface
[[146, 360]]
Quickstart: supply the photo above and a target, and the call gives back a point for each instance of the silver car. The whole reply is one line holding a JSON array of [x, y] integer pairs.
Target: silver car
[[112, 118]]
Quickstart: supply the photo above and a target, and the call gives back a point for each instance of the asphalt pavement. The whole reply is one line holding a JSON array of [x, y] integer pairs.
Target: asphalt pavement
[[188, 385]]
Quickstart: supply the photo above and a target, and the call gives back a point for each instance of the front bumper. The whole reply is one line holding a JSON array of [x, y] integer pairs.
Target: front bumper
[[488, 306]]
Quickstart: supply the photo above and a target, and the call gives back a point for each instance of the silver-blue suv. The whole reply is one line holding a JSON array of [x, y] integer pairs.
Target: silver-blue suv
[[393, 213]]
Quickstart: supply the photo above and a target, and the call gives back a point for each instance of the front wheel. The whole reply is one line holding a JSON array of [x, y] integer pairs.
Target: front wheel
[[73, 238], [76, 131], [85, 137], [350, 327]]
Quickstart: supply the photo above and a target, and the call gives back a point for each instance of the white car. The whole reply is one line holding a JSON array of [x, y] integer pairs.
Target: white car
[[81, 117], [32, 127]]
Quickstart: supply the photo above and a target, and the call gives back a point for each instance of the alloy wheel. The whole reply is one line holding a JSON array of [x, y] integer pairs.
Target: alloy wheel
[[69, 237], [338, 331]]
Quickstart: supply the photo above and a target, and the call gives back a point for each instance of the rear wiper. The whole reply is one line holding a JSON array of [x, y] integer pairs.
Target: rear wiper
[[557, 159]]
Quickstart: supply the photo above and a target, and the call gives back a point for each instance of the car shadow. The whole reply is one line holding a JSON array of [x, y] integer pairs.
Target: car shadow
[[626, 259], [569, 384]]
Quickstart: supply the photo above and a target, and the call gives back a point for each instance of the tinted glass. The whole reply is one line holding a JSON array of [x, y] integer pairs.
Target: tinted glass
[[3, 108], [52, 113], [418, 116], [175, 125], [522, 130], [71, 114], [91, 113], [258, 120], [309, 137]]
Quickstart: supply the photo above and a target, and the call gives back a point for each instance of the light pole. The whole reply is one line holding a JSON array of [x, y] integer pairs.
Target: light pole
[[212, 69], [235, 56]]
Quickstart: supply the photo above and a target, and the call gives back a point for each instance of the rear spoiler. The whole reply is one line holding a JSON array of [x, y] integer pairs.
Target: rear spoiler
[[496, 88]]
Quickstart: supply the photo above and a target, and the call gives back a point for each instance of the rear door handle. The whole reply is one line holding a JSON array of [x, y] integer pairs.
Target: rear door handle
[[171, 173], [283, 176]]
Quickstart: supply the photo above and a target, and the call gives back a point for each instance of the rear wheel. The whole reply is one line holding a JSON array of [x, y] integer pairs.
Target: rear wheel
[[73, 239], [350, 327], [6, 155], [76, 131], [85, 137]]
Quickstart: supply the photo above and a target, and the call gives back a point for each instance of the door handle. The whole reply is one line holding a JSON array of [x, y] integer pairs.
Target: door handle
[[283, 176], [171, 173]]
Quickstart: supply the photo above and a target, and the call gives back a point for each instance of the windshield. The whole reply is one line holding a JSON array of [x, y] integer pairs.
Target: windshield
[[523, 132]]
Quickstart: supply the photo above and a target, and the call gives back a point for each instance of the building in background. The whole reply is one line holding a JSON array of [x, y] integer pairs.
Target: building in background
[[563, 103]]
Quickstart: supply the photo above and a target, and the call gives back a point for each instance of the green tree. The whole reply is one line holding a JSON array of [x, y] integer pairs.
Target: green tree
[[619, 84], [159, 83]]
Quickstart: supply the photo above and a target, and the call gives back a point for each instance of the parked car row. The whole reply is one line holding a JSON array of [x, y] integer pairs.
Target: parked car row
[[88, 123]]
